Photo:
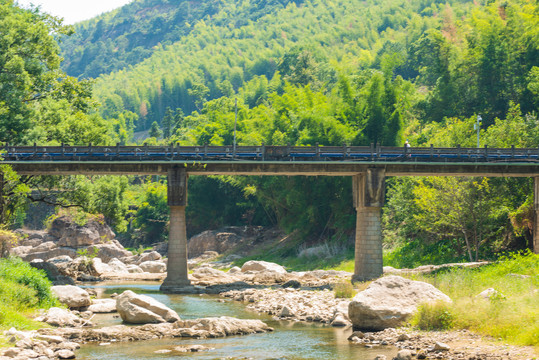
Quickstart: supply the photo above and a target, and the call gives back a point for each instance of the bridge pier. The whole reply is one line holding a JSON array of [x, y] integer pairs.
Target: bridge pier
[[177, 279], [368, 192]]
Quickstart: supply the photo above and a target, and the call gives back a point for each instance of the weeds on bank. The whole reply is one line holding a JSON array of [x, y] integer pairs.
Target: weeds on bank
[[511, 316], [434, 316], [344, 290]]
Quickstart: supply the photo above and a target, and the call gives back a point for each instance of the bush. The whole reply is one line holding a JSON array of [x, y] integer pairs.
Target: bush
[[16, 295], [7, 241], [15, 270], [344, 290], [434, 316]]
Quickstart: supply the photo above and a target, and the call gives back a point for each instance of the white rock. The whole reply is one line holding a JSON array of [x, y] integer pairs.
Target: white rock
[[390, 301], [72, 296], [257, 266], [142, 309], [153, 267], [134, 269], [103, 306], [118, 267]]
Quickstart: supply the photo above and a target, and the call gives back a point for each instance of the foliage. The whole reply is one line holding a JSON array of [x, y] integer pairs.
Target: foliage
[[434, 316], [7, 240], [344, 290], [15, 270], [152, 216], [516, 276]]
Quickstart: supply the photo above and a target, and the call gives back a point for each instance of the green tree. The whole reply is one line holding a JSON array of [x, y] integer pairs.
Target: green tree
[[155, 131]]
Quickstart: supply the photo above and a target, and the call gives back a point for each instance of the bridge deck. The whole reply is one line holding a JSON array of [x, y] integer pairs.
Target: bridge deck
[[272, 160]]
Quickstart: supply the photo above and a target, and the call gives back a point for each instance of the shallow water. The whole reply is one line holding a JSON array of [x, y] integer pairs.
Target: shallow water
[[290, 340]]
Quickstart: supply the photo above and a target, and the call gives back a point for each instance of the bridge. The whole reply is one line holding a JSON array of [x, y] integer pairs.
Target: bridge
[[368, 166]]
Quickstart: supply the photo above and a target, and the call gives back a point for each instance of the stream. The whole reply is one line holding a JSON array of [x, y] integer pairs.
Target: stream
[[290, 340]]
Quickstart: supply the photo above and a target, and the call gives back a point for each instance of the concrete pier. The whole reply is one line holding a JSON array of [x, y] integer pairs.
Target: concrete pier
[[368, 190], [177, 271]]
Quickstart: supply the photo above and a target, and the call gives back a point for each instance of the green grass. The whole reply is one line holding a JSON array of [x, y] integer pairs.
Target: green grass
[[23, 290], [513, 317]]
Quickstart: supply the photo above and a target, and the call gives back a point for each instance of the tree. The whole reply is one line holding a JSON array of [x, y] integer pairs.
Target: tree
[[455, 207], [155, 131], [29, 66]]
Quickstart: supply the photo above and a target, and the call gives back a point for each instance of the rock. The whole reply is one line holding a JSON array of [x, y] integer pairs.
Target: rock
[[60, 317], [490, 294], [150, 256], [153, 267], [60, 259], [357, 334], [100, 267], [286, 312], [51, 338], [212, 240], [118, 267], [44, 247], [292, 284], [53, 253], [73, 235], [390, 301], [258, 266], [108, 251], [234, 270], [142, 309], [207, 271], [440, 346], [403, 337], [50, 268], [134, 269], [380, 357], [65, 354], [404, 355], [72, 296], [20, 251], [103, 306], [321, 251], [191, 348], [339, 321]]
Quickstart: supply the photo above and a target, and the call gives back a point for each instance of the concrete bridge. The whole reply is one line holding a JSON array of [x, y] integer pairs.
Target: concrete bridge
[[368, 166]]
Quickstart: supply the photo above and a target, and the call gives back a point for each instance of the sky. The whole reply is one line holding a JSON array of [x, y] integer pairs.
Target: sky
[[75, 10]]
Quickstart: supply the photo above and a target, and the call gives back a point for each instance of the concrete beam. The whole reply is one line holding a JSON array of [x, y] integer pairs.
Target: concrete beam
[[177, 270], [282, 168]]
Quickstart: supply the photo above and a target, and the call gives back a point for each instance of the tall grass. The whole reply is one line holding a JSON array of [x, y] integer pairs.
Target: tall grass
[[513, 317]]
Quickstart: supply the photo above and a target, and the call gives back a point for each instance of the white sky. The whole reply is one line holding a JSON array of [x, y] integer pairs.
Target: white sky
[[75, 10]]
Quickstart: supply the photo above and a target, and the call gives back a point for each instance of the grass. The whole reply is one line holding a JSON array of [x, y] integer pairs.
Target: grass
[[512, 317], [23, 290]]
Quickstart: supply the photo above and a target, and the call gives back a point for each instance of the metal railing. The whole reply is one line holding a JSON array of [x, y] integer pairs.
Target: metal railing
[[267, 153]]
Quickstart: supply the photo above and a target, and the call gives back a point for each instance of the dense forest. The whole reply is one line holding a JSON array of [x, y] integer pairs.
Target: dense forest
[[315, 71]]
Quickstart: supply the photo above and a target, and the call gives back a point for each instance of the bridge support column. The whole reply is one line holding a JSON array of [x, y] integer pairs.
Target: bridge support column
[[536, 217], [177, 270], [369, 189]]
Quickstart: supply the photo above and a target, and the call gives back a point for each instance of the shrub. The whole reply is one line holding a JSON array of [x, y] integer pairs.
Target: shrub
[[7, 241], [15, 270], [434, 316], [344, 290]]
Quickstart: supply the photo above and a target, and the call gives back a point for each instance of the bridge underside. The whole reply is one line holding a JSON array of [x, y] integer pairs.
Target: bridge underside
[[289, 168]]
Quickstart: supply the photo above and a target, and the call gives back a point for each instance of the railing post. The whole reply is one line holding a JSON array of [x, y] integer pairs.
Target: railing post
[[458, 151], [486, 152], [118, 149], [288, 150], [63, 149], [263, 152], [35, 149], [146, 149], [512, 151], [90, 148], [205, 150], [378, 150], [431, 151], [317, 151], [372, 151]]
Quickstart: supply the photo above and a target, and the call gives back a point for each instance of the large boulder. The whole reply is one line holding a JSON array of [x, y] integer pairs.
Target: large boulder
[[73, 235], [142, 309], [118, 267], [60, 317], [149, 256], [109, 250], [258, 266], [213, 240], [100, 267], [49, 254], [72, 296], [389, 301], [153, 267]]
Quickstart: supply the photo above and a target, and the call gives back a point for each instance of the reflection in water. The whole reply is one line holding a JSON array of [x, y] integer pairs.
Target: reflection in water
[[290, 340]]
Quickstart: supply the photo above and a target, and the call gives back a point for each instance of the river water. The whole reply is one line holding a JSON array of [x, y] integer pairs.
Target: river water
[[290, 340]]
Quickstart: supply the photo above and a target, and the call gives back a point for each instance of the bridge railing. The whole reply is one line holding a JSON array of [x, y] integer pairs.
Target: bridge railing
[[267, 153]]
